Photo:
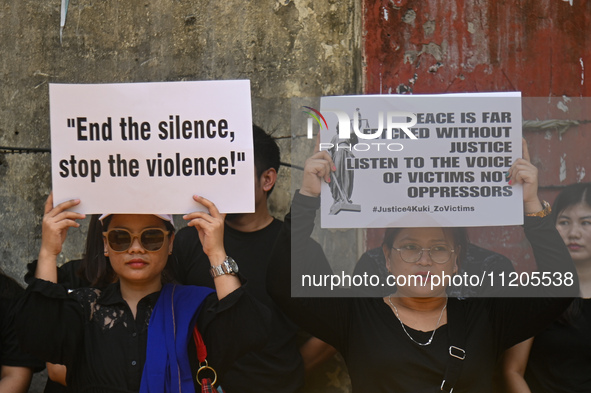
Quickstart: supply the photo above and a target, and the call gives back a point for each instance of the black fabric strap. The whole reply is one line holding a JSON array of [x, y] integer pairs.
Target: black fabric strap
[[456, 328]]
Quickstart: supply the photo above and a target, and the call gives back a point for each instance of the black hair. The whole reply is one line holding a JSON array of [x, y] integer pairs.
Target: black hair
[[95, 267], [571, 195], [459, 234], [266, 152]]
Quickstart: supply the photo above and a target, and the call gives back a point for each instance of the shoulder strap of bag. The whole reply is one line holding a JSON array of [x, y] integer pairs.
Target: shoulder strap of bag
[[207, 386], [200, 345], [456, 331]]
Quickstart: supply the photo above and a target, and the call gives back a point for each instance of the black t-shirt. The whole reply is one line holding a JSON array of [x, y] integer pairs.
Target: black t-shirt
[[278, 367], [67, 274], [379, 355], [560, 357], [95, 335], [10, 352], [68, 277]]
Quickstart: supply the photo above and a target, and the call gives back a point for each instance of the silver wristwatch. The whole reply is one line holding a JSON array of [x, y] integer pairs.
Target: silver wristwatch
[[229, 266]]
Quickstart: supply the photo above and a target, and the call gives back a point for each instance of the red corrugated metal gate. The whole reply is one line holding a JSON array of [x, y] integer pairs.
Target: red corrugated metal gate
[[540, 48]]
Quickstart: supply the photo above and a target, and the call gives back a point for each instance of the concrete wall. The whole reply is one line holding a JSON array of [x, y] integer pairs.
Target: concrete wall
[[286, 48]]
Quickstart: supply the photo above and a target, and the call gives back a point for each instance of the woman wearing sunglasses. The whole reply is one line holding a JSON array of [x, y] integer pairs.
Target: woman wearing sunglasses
[[136, 335], [417, 339]]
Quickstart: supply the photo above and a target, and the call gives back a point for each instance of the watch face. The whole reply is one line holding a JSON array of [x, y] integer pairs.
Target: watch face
[[233, 265]]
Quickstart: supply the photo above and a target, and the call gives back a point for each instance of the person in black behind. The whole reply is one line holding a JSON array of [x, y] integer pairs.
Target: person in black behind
[[92, 271], [17, 367], [558, 359], [249, 238]]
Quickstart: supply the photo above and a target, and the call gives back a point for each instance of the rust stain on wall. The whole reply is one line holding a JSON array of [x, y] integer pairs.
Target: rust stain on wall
[[538, 47]]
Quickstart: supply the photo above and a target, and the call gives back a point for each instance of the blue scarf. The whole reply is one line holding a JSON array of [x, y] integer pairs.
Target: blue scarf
[[167, 368]]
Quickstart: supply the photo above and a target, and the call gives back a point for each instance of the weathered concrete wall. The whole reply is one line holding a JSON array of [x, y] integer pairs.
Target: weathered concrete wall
[[286, 48]]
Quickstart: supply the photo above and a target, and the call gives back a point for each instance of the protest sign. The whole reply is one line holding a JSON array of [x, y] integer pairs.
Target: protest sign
[[421, 160], [149, 147]]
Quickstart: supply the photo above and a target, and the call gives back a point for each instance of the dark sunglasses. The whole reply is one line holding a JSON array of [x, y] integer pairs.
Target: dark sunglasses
[[151, 239]]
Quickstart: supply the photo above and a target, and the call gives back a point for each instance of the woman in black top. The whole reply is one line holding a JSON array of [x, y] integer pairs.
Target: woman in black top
[[558, 359], [93, 270], [107, 337], [16, 367], [418, 340]]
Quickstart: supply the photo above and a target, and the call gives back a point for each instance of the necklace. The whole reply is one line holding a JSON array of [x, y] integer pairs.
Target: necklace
[[404, 328]]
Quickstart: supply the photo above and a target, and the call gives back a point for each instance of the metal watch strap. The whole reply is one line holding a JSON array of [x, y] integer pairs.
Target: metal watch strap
[[227, 267]]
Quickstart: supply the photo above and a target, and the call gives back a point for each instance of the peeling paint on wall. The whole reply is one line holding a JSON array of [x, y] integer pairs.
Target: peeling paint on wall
[[493, 45], [431, 48], [410, 56], [385, 14], [434, 50], [433, 69], [63, 14], [569, 2], [404, 89], [580, 173], [562, 175], [396, 4], [429, 28], [409, 17], [562, 104], [582, 71]]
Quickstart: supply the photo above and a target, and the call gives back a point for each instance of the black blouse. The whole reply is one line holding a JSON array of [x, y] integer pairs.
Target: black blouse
[[10, 353], [560, 357], [379, 355], [94, 334]]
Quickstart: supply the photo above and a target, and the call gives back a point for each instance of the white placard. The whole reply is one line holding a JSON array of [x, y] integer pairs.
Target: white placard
[[452, 174], [149, 147]]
